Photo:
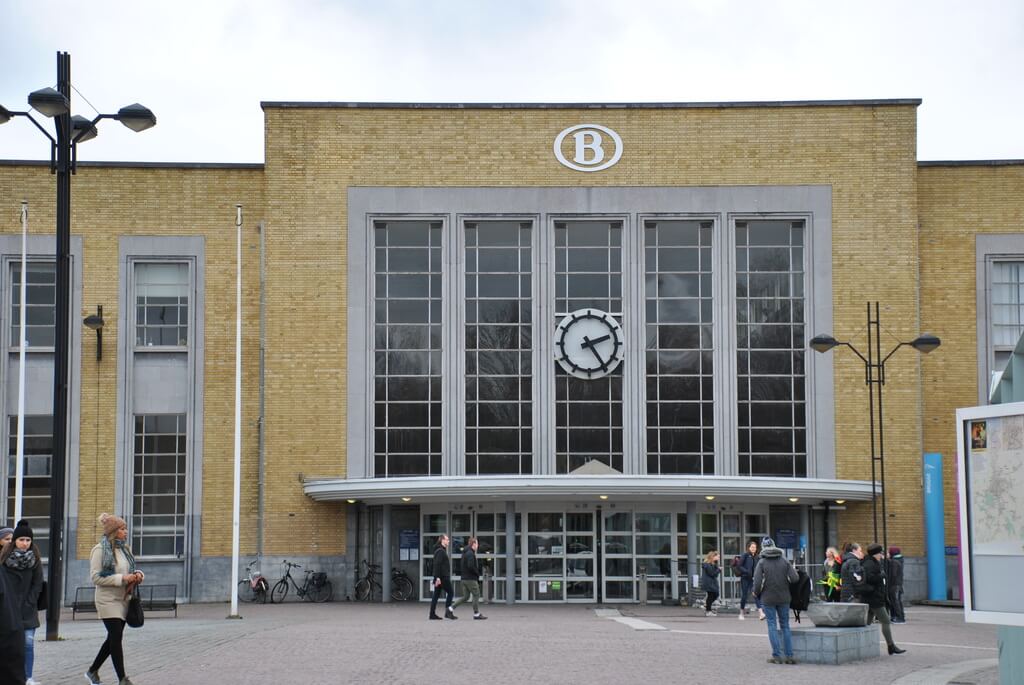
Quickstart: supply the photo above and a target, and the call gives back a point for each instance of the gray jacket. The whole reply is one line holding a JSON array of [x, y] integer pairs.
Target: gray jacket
[[772, 577]]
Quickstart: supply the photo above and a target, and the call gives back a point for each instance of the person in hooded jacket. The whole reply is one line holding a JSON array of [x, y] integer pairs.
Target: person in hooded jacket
[[772, 578], [22, 564], [851, 573], [748, 562], [894, 581], [876, 595], [709, 581]]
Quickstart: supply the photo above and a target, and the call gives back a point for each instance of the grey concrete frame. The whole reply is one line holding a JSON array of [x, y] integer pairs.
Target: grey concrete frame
[[989, 248], [724, 205]]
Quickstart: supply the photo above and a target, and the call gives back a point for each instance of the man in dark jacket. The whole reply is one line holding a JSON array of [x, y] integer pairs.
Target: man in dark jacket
[[875, 595], [442, 580], [772, 579], [851, 573], [12, 636], [470, 579], [894, 581]]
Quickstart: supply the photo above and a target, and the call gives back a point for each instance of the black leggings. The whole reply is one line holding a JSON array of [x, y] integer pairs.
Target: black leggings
[[709, 600], [111, 647]]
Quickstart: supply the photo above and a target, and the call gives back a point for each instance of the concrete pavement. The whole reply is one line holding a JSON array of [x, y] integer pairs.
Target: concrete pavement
[[344, 642]]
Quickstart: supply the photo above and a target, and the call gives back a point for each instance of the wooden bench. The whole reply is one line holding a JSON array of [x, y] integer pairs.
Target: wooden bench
[[154, 598]]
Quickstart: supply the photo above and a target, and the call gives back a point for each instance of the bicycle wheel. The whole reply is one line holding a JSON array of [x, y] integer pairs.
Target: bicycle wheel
[[363, 590], [401, 588], [245, 593], [261, 591], [320, 593], [280, 591]]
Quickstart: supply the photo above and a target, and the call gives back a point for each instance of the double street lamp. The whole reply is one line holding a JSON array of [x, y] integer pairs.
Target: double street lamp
[[55, 103], [874, 375]]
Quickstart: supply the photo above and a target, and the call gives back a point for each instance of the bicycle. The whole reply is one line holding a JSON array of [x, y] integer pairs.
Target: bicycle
[[254, 587], [401, 583], [315, 587]]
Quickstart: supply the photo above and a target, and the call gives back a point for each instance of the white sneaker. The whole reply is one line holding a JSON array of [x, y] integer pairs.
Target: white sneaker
[[30, 681], [710, 613], [742, 617]]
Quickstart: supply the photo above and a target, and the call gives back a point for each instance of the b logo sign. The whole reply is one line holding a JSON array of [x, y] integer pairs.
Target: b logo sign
[[591, 143]]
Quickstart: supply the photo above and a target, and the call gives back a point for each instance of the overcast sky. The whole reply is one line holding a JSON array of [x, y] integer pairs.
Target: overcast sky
[[203, 66]]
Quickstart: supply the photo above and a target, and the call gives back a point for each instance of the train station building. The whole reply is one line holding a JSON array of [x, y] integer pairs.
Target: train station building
[[577, 332]]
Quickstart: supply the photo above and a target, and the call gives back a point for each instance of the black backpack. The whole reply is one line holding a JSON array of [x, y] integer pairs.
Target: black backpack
[[800, 592]]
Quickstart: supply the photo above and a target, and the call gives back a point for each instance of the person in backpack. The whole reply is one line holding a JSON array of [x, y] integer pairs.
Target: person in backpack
[[748, 562], [875, 594], [709, 580], [894, 581], [470, 579], [851, 573], [830, 574], [772, 579], [22, 562]]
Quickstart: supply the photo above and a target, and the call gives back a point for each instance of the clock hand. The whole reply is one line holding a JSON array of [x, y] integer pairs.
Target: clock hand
[[587, 342]]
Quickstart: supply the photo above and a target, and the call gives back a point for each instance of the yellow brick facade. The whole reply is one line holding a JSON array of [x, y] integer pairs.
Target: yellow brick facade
[[901, 235]]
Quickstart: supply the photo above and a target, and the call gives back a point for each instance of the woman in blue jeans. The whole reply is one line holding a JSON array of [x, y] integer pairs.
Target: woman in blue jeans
[[22, 563], [748, 562]]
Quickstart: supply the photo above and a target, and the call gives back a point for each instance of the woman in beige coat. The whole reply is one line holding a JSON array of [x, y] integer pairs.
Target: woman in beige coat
[[112, 567]]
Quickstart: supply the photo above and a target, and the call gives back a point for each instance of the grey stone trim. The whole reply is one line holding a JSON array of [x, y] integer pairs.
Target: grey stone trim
[[271, 104], [973, 162], [191, 249], [141, 165]]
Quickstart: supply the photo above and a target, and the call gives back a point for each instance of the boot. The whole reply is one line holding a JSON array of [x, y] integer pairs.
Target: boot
[[893, 649], [434, 617], [93, 677], [450, 614]]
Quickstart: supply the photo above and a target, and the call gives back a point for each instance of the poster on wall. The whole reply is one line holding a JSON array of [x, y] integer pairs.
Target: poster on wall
[[990, 474]]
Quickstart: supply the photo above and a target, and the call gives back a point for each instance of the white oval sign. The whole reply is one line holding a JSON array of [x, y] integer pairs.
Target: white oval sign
[[590, 143]]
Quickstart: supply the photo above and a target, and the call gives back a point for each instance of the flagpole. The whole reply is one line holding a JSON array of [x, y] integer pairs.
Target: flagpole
[[236, 505], [19, 469]]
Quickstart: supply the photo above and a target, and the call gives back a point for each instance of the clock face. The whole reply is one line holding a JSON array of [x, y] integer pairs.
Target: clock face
[[588, 343]]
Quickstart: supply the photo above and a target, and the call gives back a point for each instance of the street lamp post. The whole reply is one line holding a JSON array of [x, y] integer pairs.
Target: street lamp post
[[874, 375], [70, 130]]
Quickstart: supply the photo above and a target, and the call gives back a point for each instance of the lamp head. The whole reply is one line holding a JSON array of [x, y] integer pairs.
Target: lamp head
[[136, 117], [94, 321], [925, 343], [5, 115], [82, 129], [823, 343], [49, 102]]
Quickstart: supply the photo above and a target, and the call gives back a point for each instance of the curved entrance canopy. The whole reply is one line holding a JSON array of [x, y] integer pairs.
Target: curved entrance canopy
[[587, 487]]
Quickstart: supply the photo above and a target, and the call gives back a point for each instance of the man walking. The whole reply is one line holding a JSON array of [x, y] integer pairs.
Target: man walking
[[875, 595], [772, 579], [894, 582], [470, 580], [852, 573], [442, 580]]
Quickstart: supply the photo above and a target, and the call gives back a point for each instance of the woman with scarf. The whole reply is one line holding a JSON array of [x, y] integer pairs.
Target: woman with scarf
[[21, 563], [112, 567]]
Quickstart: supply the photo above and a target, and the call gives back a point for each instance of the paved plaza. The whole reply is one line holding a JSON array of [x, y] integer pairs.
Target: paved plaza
[[345, 642]]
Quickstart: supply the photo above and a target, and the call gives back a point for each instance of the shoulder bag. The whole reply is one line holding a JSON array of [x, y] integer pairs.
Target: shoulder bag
[[135, 617]]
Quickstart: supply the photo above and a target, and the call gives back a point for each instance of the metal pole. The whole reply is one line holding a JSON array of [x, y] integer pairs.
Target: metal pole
[[236, 500], [881, 437], [19, 468], [385, 557], [61, 362], [870, 377]]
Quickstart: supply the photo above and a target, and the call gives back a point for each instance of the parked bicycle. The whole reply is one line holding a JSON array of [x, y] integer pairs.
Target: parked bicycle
[[401, 583], [254, 587], [315, 587]]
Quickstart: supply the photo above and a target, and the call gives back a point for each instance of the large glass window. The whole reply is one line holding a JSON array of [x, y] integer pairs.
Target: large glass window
[[407, 348], [158, 485], [161, 304], [40, 304], [38, 451], [771, 407], [1007, 309], [680, 382], [588, 412], [499, 340]]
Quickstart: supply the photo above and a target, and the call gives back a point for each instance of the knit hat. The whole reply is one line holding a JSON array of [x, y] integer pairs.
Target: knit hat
[[874, 548], [111, 523], [893, 551], [767, 542], [4, 532], [22, 530]]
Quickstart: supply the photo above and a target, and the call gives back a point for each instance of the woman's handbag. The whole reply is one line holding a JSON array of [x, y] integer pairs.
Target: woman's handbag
[[44, 598], [135, 617]]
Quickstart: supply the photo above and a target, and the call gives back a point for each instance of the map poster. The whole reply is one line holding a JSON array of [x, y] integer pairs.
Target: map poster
[[995, 470], [990, 480]]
